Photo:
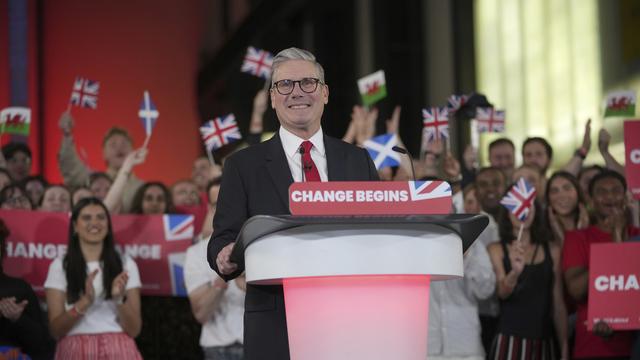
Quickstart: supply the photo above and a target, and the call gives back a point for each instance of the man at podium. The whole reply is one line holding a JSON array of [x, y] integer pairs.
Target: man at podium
[[256, 180]]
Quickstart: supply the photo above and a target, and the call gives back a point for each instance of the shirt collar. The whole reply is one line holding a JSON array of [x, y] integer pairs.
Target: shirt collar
[[291, 142]]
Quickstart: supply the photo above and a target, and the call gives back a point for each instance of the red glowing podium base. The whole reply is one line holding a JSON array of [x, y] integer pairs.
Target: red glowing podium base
[[358, 317], [356, 287]]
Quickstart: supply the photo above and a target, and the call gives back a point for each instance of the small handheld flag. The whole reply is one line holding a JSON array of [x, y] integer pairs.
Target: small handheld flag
[[455, 102], [148, 113], [257, 62], [380, 150], [620, 103], [220, 131], [85, 93], [490, 120], [15, 120], [519, 199], [436, 124], [373, 88]]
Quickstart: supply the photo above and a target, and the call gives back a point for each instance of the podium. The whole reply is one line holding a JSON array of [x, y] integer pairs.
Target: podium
[[356, 287]]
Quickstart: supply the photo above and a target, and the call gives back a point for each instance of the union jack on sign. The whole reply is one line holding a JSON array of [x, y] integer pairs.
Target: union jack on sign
[[178, 227], [85, 93], [519, 199], [490, 120], [257, 62], [220, 131], [425, 190], [436, 123]]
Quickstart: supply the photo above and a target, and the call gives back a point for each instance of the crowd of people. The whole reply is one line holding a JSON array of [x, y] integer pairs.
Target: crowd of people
[[523, 294]]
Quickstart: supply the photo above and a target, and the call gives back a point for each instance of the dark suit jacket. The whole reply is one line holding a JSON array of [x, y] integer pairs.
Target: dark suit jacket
[[256, 181]]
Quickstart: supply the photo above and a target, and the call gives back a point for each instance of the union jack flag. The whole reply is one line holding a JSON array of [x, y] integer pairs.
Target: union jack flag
[[85, 93], [220, 131], [490, 120], [424, 190], [436, 123], [455, 102], [257, 62], [519, 199], [178, 227]]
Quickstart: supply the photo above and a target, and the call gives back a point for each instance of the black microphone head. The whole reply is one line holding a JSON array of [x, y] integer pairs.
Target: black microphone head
[[301, 149], [399, 149]]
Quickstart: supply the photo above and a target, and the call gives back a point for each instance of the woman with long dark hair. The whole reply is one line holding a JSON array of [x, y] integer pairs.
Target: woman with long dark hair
[[93, 293], [565, 205], [528, 284]]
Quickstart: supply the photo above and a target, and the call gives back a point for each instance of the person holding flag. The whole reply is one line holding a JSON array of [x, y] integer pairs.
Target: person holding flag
[[528, 282], [116, 146]]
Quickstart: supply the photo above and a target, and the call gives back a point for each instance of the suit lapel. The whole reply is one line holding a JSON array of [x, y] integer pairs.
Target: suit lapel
[[278, 168], [335, 159]]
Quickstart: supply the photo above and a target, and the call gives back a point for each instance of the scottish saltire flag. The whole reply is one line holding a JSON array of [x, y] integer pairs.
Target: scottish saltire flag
[[15, 120], [373, 88], [220, 131], [85, 93], [176, 271], [148, 113], [257, 62], [620, 103], [436, 124], [455, 102], [379, 149], [178, 227], [424, 190], [519, 199], [490, 120]]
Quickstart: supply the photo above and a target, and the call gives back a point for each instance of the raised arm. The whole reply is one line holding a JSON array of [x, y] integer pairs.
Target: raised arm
[[113, 200], [575, 163], [74, 172]]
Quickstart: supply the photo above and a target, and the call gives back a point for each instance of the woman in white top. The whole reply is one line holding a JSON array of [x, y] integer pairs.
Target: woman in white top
[[92, 293]]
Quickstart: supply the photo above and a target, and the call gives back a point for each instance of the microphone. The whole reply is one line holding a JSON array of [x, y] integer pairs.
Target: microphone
[[404, 151]]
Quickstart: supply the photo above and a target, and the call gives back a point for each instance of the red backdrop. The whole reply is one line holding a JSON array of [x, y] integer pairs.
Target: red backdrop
[[129, 47]]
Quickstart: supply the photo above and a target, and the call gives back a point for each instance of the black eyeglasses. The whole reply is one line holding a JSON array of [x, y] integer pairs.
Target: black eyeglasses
[[308, 85]]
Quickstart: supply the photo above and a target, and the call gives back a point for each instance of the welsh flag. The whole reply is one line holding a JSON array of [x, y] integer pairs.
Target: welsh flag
[[15, 120], [620, 103], [372, 88]]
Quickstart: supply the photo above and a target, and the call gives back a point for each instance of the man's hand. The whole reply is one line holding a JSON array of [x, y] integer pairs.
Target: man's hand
[[10, 309], [602, 329], [66, 123], [225, 266]]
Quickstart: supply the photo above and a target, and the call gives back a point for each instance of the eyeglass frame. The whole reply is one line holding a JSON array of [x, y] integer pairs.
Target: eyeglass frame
[[316, 81]]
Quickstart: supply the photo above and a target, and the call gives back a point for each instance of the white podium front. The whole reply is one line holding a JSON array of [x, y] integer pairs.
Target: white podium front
[[356, 287]]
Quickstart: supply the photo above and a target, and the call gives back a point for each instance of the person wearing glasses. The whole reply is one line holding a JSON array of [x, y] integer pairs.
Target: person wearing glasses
[[255, 181], [14, 197]]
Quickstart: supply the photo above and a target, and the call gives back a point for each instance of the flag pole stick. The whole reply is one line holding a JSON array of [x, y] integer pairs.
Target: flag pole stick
[[210, 156], [146, 141], [520, 232]]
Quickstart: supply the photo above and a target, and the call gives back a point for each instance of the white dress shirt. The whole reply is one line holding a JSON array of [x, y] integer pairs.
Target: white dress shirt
[[454, 326], [291, 145]]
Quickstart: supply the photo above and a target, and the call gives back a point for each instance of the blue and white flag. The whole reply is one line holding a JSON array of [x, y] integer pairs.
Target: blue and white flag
[[148, 114], [380, 150]]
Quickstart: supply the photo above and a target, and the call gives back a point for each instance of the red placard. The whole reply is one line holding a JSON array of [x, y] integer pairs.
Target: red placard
[[614, 291], [632, 156], [157, 243], [370, 198]]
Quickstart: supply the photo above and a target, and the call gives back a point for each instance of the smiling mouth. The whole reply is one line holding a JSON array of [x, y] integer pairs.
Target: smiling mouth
[[299, 106]]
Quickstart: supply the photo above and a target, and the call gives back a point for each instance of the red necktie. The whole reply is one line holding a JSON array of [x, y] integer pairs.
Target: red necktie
[[310, 170]]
